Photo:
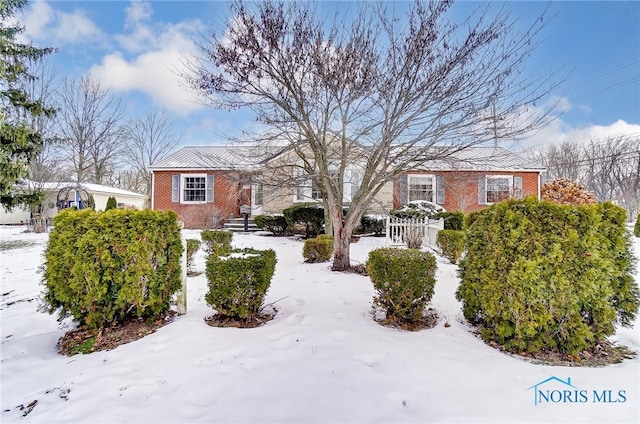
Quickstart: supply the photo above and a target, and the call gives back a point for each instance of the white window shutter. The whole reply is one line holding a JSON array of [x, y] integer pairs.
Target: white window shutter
[[482, 191], [439, 189], [175, 188], [209, 188], [518, 193]]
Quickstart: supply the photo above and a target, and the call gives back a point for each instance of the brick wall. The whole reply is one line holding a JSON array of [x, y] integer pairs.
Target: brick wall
[[461, 187], [226, 197]]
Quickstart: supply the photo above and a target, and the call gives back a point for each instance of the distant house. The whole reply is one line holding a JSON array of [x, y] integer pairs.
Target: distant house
[[51, 205], [207, 184]]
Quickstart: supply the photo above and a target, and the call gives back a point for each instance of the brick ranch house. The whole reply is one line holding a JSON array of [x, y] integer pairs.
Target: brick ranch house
[[205, 185]]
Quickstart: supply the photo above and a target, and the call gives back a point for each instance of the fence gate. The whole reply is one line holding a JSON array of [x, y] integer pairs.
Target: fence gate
[[399, 229]]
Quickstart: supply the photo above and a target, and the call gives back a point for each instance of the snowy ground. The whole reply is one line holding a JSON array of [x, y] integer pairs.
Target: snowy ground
[[322, 359]]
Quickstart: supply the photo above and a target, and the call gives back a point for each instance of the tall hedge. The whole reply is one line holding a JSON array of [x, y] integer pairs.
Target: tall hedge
[[106, 267], [453, 220], [542, 275], [310, 216], [112, 203]]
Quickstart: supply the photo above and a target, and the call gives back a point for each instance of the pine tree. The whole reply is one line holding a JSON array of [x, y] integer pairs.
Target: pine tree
[[111, 203], [19, 142]]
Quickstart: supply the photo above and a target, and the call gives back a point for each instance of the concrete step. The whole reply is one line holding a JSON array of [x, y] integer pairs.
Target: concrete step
[[237, 225]]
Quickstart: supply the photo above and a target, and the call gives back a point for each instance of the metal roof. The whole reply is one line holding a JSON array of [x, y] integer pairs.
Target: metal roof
[[245, 157]]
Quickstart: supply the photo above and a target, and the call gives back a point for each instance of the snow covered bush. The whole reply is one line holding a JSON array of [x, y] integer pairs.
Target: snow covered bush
[[404, 282], [310, 216], [238, 283], [453, 220], [217, 242], [539, 275], [275, 224], [418, 209], [104, 268], [451, 242], [636, 228], [319, 249]]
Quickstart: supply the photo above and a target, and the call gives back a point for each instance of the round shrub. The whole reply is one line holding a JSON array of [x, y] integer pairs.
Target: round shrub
[[404, 281], [238, 283], [105, 268], [453, 220], [451, 242], [217, 242], [276, 224], [319, 249], [310, 216], [539, 275]]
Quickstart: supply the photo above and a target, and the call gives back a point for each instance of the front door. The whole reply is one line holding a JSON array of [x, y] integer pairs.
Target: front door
[[256, 199]]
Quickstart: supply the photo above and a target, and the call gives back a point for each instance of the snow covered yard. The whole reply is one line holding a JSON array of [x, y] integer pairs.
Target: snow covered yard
[[322, 359]]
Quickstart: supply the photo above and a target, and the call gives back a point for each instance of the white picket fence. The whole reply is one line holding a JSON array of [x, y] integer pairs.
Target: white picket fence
[[397, 228]]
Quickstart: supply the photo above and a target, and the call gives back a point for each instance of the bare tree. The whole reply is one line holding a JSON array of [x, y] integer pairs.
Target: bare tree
[[149, 140], [89, 123], [562, 161], [375, 91]]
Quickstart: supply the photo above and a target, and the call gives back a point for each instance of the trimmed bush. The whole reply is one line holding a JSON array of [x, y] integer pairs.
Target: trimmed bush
[[238, 283], [319, 249], [451, 242], [192, 247], [372, 224], [539, 275], [105, 268], [636, 228], [275, 224], [310, 216], [404, 281], [453, 220], [112, 203], [417, 209], [217, 242]]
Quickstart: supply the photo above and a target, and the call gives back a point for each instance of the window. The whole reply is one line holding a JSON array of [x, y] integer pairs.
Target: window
[[496, 188], [257, 194], [420, 187], [192, 188], [306, 189]]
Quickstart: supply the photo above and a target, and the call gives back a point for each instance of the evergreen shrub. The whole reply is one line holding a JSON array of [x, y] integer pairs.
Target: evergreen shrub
[[217, 242], [104, 268], [112, 203], [238, 283], [451, 242], [193, 245], [373, 224], [310, 216], [275, 224], [539, 275], [319, 249], [453, 220], [404, 281], [636, 228]]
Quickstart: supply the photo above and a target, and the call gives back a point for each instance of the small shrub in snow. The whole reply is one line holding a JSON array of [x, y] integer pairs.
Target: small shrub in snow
[[238, 283], [373, 224], [217, 242], [192, 247], [105, 268], [310, 216], [275, 224], [319, 249], [541, 275], [404, 281], [453, 220], [451, 242], [636, 228]]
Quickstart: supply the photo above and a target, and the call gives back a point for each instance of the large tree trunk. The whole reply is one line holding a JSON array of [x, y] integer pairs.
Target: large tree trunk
[[342, 230]]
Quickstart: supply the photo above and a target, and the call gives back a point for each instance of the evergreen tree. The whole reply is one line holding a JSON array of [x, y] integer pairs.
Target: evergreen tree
[[111, 203], [19, 142]]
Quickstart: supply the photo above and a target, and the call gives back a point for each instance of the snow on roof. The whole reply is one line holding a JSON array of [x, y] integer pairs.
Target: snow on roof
[[92, 188], [248, 156]]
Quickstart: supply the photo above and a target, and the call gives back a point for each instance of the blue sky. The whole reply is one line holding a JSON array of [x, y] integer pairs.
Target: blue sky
[[137, 48]]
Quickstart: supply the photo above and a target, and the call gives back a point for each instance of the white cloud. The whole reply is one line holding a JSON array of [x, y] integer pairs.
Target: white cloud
[[138, 11], [155, 70], [44, 23]]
